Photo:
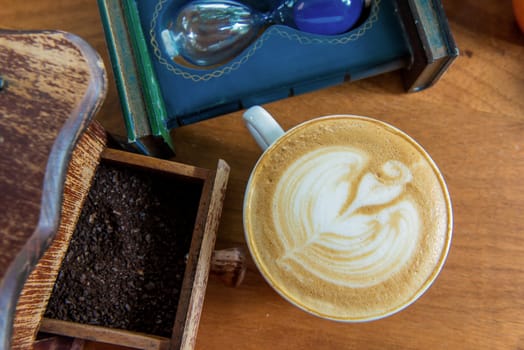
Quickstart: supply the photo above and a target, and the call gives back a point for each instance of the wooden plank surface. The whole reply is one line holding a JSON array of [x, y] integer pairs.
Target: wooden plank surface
[[105, 335], [471, 122], [155, 164]]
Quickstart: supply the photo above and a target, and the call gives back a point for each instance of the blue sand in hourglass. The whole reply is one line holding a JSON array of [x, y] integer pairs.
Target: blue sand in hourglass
[[210, 32]]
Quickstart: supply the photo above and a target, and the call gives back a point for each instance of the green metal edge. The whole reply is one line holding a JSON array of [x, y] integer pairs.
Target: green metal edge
[[151, 89], [114, 30], [139, 135]]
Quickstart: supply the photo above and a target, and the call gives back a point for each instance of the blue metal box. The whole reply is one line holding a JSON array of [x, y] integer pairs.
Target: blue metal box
[[159, 94]]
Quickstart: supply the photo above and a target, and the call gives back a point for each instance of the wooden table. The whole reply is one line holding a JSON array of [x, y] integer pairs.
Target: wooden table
[[471, 122]]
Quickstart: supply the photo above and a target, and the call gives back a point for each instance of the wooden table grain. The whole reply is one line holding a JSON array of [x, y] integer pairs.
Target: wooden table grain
[[471, 122]]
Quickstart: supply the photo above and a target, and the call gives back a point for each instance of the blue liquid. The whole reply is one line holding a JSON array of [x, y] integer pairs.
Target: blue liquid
[[326, 17]]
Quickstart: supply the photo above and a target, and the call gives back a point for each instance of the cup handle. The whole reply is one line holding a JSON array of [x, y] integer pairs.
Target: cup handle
[[262, 126]]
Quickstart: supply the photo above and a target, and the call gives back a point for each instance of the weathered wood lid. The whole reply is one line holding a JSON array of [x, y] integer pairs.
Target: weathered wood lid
[[53, 84]]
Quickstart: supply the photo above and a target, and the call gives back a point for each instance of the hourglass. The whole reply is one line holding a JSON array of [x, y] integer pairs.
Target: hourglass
[[210, 32]]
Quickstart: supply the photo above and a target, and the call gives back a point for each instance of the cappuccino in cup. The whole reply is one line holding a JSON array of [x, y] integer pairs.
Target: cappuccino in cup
[[346, 217]]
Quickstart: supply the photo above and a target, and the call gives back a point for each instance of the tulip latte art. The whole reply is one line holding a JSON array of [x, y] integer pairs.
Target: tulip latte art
[[358, 249], [348, 218]]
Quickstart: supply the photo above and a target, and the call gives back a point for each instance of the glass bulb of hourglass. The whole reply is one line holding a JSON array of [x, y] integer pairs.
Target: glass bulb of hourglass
[[209, 32]]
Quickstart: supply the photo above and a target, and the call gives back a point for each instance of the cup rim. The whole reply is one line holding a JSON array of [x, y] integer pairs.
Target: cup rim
[[293, 300]]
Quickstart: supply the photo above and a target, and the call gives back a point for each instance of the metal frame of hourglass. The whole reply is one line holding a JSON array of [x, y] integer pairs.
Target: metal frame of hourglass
[[411, 36]]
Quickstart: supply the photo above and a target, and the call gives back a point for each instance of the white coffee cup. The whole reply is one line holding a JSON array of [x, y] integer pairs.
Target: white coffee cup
[[346, 217]]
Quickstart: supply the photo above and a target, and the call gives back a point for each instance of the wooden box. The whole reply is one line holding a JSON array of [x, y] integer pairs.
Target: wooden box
[[48, 163], [198, 260]]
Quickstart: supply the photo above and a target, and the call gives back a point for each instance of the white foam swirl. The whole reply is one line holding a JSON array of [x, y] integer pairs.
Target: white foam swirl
[[343, 223]]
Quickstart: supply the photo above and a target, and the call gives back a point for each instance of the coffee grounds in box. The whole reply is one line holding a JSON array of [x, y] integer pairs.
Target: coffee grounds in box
[[125, 262]]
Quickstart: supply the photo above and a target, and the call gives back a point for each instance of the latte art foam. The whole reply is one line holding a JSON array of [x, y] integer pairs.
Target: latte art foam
[[326, 195], [348, 218]]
